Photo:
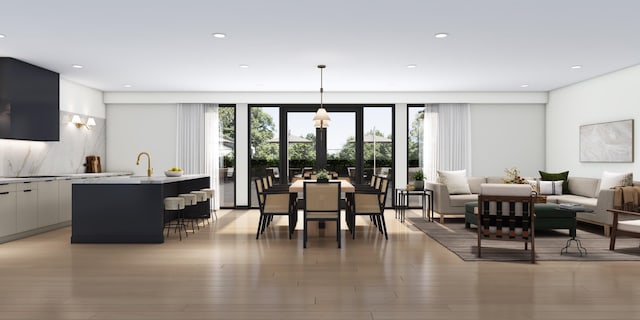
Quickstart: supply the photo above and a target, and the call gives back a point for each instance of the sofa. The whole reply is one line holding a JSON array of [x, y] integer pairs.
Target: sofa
[[584, 191]]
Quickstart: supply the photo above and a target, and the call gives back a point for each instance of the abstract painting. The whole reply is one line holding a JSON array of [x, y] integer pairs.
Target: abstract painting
[[607, 142]]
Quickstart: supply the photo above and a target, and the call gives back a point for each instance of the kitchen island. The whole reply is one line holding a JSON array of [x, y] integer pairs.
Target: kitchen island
[[129, 209]]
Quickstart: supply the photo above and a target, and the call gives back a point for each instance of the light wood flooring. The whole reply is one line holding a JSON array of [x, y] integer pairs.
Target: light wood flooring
[[223, 272]]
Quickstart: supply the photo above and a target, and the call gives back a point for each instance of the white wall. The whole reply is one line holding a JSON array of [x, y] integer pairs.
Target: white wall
[[610, 97], [506, 136], [133, 128], [146, 122]]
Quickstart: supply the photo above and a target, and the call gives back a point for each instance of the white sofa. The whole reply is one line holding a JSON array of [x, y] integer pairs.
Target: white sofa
[[584, 191]]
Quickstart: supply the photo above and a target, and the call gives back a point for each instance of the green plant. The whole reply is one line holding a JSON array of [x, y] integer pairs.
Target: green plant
[[418, 175], [322, 175]]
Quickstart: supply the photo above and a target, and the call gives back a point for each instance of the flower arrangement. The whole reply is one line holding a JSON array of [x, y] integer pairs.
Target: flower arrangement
[[513, 176], [418, 175]]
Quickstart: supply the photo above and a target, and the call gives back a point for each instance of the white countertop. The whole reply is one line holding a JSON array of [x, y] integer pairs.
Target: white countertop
[[63, 176], [139, 179]]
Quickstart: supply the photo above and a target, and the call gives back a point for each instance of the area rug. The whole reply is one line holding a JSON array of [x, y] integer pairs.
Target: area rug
[[464, 243]]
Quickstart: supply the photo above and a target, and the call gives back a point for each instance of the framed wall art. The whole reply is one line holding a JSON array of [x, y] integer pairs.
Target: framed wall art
[[607, 142]]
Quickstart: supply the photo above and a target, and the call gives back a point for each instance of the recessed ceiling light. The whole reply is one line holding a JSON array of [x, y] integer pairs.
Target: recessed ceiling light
[[127, 85], [524, 86], [244, 66], [441, 35], [2, 36], [219, 35], [577, 66], [412, 66], [77, 66]]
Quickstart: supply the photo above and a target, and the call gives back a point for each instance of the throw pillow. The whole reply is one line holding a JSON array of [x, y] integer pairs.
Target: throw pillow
[[564, 176], [547, 187], [456, 181], [615, 179]]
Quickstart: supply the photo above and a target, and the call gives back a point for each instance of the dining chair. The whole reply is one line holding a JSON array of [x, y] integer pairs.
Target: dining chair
[[371, 203], [322, 203], [506, 212], [275, 203]]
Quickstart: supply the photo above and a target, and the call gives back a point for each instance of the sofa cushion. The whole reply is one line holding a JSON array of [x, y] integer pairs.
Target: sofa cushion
[[495, 179], [615, 179], [564, 176], [475, 182], [459, 200], [456, 181], [547, 187], [586, 187], [590, 203]]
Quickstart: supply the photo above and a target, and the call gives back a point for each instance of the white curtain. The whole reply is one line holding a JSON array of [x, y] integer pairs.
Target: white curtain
[[213, 139], [198, 140], [447, 139]]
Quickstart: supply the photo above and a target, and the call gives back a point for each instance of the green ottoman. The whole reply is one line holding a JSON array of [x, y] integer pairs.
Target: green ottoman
[[548, 216]]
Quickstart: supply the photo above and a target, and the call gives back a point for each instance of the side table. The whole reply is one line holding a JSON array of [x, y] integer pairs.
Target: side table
[[572, 207], [402, 202]]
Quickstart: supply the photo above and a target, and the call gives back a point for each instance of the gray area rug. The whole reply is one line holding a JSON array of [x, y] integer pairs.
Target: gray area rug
[[464, 242]]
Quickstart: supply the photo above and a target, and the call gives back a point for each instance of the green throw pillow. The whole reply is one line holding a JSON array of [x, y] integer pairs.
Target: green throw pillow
[[564, 176]]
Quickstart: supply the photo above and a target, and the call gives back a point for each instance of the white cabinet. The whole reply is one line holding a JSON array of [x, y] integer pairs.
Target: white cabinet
[[64, 187], [27, 206], [48, 203], [8, 209]]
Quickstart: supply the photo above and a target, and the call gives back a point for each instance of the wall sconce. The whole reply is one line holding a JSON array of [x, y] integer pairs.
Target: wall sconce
[[91, 122]]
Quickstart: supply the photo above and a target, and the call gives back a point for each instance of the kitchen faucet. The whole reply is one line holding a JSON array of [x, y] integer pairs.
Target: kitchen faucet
[[149, 170]]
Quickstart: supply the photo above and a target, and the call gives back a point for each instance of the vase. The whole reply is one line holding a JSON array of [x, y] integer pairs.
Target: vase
[[419, 185], [322, 180]]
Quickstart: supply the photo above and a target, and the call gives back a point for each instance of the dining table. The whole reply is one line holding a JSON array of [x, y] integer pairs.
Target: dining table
[[345, 186]]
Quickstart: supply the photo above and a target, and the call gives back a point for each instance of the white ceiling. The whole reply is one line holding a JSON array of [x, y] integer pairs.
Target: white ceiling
[[163, 45]]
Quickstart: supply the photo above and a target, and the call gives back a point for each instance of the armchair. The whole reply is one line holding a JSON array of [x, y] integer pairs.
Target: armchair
[[506, 212]]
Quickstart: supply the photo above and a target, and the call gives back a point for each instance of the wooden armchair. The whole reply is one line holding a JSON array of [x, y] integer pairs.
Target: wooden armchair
[[625, 223], [506, 212]]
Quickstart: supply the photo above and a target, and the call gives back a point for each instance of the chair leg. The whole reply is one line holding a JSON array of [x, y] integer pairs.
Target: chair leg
[[338, 233], [384, 227], [304, 236], [260, 222], [612, 242]]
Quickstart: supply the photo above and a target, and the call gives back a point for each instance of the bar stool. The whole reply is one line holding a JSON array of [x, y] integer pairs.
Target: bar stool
[[202, 196], [189, 200], [211, 193], [176, 204]]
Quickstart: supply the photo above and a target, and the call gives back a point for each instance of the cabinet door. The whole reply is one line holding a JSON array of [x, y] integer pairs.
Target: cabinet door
[[8, 210], [27, 207], [65, 200], [48, 203]]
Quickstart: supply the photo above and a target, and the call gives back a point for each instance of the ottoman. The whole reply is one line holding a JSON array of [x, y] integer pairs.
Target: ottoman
[[548, 216]]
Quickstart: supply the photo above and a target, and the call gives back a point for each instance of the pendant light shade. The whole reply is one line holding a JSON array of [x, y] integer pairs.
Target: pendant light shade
[[321, 118]]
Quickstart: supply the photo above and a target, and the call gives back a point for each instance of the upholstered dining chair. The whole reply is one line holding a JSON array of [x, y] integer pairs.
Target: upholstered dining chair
[[371, 203], [322, 203], [275, 203], [625, 223], [506, 212]]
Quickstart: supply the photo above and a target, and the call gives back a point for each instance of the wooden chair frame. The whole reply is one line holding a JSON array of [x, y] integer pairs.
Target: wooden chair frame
[[615, 232], [487, 220], [321, 210]]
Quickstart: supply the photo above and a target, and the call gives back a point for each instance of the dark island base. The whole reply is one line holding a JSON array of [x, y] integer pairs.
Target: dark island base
[[128, 213]]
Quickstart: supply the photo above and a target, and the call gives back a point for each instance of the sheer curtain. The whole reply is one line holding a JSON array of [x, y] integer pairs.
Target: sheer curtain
[[198, 140], [447, 139]]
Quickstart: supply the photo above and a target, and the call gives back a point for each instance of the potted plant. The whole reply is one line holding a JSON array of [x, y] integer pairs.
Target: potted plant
[[418, 176], [322, 176]]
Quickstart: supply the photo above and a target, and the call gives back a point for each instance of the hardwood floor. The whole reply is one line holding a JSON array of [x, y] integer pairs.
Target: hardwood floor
[[223, 272]]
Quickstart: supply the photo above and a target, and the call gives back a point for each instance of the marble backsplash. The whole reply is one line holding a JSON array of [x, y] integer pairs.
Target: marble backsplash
[[27, 158]]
